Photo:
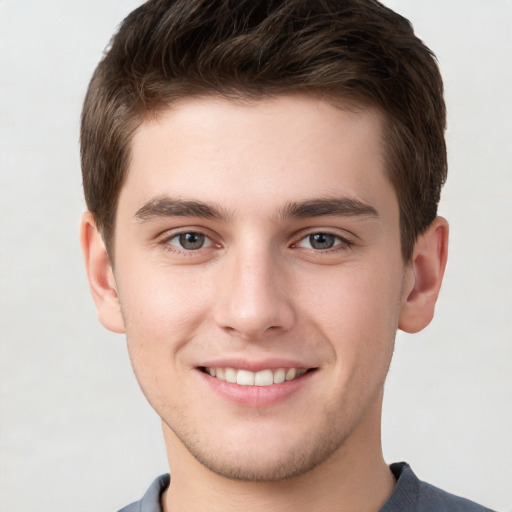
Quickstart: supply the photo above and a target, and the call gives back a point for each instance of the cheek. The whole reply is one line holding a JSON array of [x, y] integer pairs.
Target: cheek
[[357, 312], [161, 308], [161, 314], [358, 296]]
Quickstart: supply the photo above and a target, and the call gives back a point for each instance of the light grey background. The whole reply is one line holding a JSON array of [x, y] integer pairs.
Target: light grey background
[[76, 433]]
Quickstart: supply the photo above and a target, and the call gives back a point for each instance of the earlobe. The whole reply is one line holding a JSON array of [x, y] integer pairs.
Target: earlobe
[[100, 275], [424, 277]]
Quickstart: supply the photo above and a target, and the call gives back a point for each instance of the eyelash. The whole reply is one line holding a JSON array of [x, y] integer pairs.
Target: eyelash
[[165, 242], [341, 243]]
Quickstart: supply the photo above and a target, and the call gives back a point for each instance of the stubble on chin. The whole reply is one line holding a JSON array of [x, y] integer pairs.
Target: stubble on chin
[[257, 464]]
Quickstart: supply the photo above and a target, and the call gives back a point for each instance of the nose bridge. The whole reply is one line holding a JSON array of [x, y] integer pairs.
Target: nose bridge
[[254, 299]]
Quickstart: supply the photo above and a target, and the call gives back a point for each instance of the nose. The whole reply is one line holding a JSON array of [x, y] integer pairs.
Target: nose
[[253, 299]]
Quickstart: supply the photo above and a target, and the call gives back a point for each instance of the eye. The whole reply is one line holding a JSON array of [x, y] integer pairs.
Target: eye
[[189, 241], [322, 241]]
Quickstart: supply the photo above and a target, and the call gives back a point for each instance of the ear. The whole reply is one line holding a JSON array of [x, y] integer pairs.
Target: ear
[[100, 275], [424, 277]]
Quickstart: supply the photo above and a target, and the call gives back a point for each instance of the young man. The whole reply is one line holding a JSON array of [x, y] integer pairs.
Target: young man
[[262, 180]]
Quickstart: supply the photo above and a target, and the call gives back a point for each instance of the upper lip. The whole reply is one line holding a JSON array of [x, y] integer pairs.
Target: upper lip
[[255, 365]]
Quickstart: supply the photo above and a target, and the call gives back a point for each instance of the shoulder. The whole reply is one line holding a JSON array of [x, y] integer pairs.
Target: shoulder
[[411, 494], [432, 498], [150, 502]]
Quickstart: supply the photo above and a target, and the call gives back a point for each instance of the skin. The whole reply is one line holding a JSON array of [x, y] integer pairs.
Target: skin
[[259, 291]]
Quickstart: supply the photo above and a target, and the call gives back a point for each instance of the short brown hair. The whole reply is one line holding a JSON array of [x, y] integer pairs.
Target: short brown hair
[[357, 49]]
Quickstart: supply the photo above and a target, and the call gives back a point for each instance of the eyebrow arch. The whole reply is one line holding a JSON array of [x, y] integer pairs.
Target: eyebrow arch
[[162, 207], [345, 206]]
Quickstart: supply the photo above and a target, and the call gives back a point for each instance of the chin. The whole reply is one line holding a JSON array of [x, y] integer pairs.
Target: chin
[[261, 469], [266, 459]]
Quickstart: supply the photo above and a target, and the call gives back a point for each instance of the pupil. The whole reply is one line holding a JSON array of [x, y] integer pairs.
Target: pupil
[[191, 240], [321, 241]]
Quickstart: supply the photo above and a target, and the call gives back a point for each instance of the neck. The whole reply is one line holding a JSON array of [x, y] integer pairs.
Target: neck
[[355, 477]]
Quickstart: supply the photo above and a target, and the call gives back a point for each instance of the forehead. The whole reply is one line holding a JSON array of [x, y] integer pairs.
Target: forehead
[[288, 148]]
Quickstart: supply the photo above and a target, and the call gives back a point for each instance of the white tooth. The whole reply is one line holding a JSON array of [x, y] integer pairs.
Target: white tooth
[[230, 375], [264, 378], [211, 371], [220, 374], [290, 374], [245, 378], [279, 376]]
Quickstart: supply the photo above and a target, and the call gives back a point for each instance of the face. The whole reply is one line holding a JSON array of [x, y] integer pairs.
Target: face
[[260, 277]]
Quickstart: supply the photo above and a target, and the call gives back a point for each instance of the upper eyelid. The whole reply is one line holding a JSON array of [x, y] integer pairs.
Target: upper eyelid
[[169, 234], [345, 236], [342, 241]]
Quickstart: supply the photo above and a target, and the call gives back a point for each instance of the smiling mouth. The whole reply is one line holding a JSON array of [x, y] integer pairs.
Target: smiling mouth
[[261, 378]]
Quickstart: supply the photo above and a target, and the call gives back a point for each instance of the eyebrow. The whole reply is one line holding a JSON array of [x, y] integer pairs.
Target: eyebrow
[[346, 206], [162, 207]]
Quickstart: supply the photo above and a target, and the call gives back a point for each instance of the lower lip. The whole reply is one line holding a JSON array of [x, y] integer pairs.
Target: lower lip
[[256, 396]]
